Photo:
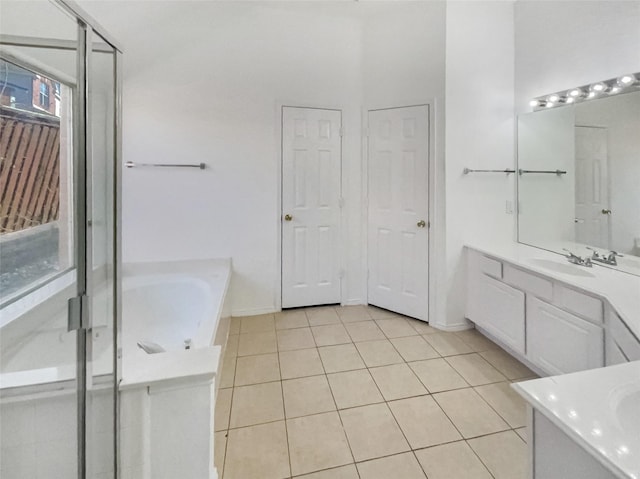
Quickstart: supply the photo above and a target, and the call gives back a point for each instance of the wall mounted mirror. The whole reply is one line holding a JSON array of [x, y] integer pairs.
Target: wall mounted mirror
[[579, 178]]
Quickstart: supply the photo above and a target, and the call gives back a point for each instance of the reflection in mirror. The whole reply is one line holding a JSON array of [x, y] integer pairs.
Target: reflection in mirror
[[596, 203]]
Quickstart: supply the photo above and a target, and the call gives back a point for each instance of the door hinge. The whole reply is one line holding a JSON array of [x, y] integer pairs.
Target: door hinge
[[342, 131], [77, 310], [341, 273], [365, 132], [341, 202]]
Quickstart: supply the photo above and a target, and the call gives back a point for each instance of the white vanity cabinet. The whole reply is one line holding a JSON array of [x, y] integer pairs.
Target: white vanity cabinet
[[554, 327], [499, 309], [560, 342]]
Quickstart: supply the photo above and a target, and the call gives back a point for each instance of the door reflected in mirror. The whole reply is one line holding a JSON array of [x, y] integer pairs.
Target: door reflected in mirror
[[579, 179]]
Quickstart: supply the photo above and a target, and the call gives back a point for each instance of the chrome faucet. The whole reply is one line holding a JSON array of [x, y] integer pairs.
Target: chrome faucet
[[575, 259], [609, 258]]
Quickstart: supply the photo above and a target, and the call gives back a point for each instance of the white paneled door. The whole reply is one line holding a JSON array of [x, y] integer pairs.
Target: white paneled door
[[592, 215], [398, 223], [311, 200]]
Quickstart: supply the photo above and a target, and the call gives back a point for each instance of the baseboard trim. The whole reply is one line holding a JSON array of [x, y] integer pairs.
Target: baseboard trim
[[253, 311], [453, 327], [354, 302]]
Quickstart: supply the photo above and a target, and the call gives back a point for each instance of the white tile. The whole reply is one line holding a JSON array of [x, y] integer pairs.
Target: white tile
[[475, 370], [423, 422], [354, 388], [372, 432], [401, 466], [455, 460], [342, 472], [300, 363], [256, 404], [330, 334], [504, 454], [397, 381], [317, 442], [304, 396], [469, 413], [261, 368], [257, 452], [506, 402], [378, 353], [341, 357]]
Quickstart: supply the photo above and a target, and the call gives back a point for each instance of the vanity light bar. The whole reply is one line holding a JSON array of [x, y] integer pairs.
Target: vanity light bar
[[627, 83]]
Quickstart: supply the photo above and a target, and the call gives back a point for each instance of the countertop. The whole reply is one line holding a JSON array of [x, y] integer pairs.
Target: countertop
[[620, 290], [599, 409]]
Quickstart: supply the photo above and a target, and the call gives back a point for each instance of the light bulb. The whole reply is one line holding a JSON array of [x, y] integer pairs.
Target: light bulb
[[553, 98], [549, 104], [570, 99], [534, 103], [575, 93], [626, 80], [591, 94], [614, 90], [598, 87]]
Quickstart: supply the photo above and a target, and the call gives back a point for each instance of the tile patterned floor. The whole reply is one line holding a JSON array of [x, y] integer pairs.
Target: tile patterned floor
[[361, 393]]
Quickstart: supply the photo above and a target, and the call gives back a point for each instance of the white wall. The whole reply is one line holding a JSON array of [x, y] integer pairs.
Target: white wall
[[479, 135], [202, 82], [563, 44]]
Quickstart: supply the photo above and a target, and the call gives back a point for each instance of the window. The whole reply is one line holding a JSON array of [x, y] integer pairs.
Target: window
[[36, 201], [44, 95]]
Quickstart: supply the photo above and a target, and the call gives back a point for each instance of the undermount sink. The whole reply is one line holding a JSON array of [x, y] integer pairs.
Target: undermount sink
[[627, 411], [562, 267]]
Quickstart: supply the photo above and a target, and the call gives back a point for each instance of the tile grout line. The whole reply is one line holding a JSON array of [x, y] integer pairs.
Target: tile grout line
[[384, 400], [344, 432], [284, 407]]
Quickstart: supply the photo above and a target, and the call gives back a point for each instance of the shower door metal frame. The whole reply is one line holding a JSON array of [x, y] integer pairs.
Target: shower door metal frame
[[82, 164]]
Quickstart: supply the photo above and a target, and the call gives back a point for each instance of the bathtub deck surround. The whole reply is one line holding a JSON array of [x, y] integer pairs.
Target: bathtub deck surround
[[360, 392], [176, 305]]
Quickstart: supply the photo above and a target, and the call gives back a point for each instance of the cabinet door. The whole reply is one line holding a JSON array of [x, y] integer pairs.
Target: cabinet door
[[560, 342], [499, 309]]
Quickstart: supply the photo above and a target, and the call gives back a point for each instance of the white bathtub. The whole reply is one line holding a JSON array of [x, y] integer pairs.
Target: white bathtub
[[166, 303], [169, 304]]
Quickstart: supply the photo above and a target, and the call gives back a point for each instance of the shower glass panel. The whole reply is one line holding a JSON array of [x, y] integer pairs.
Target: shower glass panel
[[38, 260], [58, 230], [101, 370]]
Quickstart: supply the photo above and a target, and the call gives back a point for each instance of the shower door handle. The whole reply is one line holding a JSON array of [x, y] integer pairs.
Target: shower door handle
[[421, 224]]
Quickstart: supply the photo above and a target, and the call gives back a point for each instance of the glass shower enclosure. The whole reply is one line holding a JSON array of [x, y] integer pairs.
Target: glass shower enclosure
[[59, 242]]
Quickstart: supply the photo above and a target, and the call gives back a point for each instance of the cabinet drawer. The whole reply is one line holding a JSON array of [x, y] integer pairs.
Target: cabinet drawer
[[490, 266], [626, 341], [540, 287], [579, 303]]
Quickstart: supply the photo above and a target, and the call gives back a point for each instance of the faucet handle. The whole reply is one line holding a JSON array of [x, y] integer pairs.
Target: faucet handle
[[570, 255], [595, 254], [614, 254]]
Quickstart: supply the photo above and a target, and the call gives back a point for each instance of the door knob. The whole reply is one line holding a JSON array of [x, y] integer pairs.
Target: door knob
[[606, 212], [421, 224], [288, 217]]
